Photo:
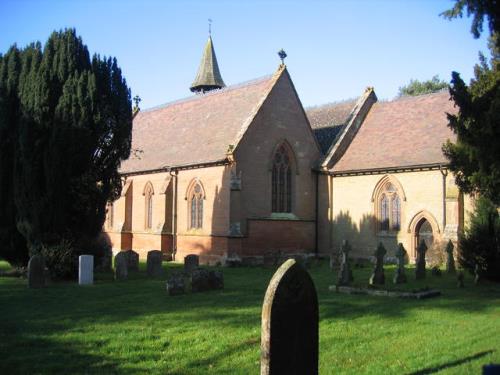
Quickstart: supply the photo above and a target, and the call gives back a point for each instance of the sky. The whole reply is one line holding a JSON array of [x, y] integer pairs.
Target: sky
[[335, 48]]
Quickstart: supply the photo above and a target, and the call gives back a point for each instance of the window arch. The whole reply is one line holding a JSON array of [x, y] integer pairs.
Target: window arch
[[148, 205], [195, 197], [281, 197], [387, 197], [110, 213]]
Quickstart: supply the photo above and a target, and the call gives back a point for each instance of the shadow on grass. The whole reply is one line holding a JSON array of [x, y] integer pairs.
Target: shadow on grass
[[432, 370]]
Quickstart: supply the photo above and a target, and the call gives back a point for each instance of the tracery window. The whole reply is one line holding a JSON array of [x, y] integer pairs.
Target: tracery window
[[196, 207], [109, 209], [148, 200], [389, 208], [281, 181]]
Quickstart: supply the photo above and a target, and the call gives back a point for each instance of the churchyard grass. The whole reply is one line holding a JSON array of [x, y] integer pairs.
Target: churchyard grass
[[133, 327]]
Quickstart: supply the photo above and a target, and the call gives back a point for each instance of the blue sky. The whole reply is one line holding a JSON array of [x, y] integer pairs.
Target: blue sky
[[335, 48]]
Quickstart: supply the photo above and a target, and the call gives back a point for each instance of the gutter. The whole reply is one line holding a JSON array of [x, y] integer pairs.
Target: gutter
[[178, 167], [408, 168]]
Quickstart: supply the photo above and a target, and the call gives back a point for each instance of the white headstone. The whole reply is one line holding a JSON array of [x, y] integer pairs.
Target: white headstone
[[85, 269]]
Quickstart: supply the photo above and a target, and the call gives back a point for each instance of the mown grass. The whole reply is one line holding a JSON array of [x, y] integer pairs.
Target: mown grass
[[133, 327]]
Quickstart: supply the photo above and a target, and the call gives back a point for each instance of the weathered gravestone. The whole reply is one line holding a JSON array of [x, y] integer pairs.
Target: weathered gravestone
[[450, 261], [345, 273], [289, 337], [154, 263], [178, 283], [203, 280], [191, 262], [132, 260], [85, 269], [400, 276], [36, 272], [378, 277], [121, 266], [420, 266]]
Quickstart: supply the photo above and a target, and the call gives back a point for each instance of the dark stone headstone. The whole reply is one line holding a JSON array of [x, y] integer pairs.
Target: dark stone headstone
[[191, 262], [345, 273], [154, 264], [460, 279], [177, 283], [216, 279], [106, 260], [289, 337], [400, 276], [132, 260], [200, 280], [378, 277], [36, 272], [450, 261], [420, 265], [121, 266], [477, 274]]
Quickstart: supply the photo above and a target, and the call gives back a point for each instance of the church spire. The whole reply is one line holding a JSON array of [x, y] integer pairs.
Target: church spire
[[208, 76]]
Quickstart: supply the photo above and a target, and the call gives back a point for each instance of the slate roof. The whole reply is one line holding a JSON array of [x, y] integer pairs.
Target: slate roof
[[195, 130], [408, 131], [208, 76], [327, 121]]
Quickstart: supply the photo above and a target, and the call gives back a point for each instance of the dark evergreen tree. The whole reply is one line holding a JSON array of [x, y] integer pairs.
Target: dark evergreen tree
[[416, 87]]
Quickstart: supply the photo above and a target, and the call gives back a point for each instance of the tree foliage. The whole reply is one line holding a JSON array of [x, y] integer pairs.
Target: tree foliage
[[416, 87], [475, 156], [68, 122]]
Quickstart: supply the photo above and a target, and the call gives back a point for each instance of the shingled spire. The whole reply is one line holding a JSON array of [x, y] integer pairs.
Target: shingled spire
[[208, 77]]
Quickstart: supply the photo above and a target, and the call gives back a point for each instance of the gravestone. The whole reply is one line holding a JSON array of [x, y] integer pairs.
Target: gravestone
[[121, 266], [400, 276], [106, 260], [191, 262], [460, 279], [132, 260], [154, 264], [477, 274], [177, 283], [450, 261], [345, 274], [378, 277], [36, 272], [420, 264], [289, 337], [85, 269], [333, 260]]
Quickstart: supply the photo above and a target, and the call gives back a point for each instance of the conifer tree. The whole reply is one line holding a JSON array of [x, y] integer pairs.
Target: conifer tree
[[416, 87]]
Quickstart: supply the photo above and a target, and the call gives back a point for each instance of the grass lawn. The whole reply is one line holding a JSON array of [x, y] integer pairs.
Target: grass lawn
[[133, 327]]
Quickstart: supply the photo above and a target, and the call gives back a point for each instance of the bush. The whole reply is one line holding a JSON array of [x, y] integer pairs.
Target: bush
[[480, 243], [61, 260]]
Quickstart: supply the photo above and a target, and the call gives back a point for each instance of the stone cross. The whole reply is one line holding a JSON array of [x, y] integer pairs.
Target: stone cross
[[378, 277], [420, 266], [290, 333], [121, 266], [345, 273], [85, 269], [36, 272], [400, 276], [191, 262], [154, 263], [450, 261]]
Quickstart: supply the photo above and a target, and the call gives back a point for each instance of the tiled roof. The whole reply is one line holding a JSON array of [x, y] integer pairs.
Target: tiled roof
[[327, 121], [405, 132], [195, 130]]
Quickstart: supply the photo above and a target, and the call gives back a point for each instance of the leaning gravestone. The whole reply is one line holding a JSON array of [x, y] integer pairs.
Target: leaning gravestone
[[121, 266], [154, 263], [345, 273], [450, 261], [289, 337], [378, 277], [420, 266], [85, 269], [132, 260], [36, 272], [191, 262], [400, 276]]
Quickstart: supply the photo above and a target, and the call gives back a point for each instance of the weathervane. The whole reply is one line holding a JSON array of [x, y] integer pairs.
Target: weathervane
[[282, 55], [210, 26]]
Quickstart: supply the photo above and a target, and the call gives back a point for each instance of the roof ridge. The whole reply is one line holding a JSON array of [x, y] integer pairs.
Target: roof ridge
[[210, 93], [337, 102]]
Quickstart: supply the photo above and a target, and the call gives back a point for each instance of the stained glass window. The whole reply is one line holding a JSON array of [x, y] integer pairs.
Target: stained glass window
[[389, 208], [384, 212], [148, 195], [196, 209], [281, 182]]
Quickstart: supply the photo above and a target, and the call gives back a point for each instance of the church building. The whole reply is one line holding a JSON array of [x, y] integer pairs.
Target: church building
[[244, 172]]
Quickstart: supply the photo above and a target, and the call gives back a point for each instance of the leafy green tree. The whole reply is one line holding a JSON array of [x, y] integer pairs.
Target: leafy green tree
[[416, 87], [73, 129], [475, 156]]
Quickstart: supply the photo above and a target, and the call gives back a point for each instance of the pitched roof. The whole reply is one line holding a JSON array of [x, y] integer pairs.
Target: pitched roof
[[196, 130], [408, 131], [327, 121], [208, 76]]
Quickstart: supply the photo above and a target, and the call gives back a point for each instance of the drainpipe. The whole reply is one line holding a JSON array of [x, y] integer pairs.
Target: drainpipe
[[444, 173], [174, 214], [316, 237]]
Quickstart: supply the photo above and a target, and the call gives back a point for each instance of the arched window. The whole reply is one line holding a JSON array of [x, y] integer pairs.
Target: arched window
[[195, 200], [148, 203], [281, 181], [109, 209], [388, 207]]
